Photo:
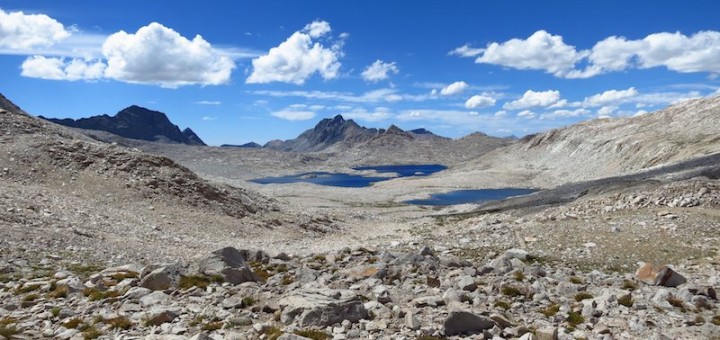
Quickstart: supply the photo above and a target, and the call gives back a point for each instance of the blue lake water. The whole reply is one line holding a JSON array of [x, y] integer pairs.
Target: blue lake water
[[470, 196], [355, 181]]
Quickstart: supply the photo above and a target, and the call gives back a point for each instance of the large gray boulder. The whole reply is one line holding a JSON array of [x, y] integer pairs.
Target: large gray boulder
[[227, 262], [161, 277], [321, 307]]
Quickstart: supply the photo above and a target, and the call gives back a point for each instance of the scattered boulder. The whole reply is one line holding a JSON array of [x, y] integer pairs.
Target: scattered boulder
[[321, 307], [161, 277], [458, 323], [669, 278], [227, 262], [646, 273]]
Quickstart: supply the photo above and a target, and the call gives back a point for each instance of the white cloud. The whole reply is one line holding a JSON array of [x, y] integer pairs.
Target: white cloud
[[478, 101], [565, 114], [60, 69], [375, 96], [534, 99], [467, 51], [208, 102], [379, 114], [699, 52], [526, 114], [317, 29], [606, 111], [208, 118], [379, 70], [298, 58], [27, 32], [293, 115], [159, 55], [454, 88], [610, 97], [540, 51]]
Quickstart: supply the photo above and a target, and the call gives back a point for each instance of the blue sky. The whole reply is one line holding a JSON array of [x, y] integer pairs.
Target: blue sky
[[254, 71]]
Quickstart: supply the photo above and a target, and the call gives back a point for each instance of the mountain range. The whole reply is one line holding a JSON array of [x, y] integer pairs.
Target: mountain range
[[135, 122]]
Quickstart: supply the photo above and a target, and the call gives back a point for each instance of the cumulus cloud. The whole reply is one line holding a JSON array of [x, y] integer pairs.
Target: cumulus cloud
[[379, 70], [293, 114], [478, 101], [379, 114], [158, 55], [540, 51], [27, 32], [610, 97], [62, 69], [699, 52], [208, 102], [454, 88], [534, 99], [298, 58]]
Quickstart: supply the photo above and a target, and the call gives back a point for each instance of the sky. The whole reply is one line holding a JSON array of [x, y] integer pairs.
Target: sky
[[241, 71]]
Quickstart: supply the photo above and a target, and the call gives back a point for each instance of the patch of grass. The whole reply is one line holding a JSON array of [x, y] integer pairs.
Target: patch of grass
[[84, 270], [31, 297], [200, 281], [287, 279], [211, 326], [261, 272], [433, 282], [5, 278], [502, 304], [551, 310], [27, 288], [574, 319], [248, 301], [511, 291], [699, 320], [196, 321], [98, 319], [576, 280], [55, 311], [626, 300], [91, 333], [119, 322], [95, 294], [518, 275], [272, 333], [583, 296], [676, 302], [124, 275], [59, 292], [313, 334], [8, 331], [73, 323], [281, 268], [716, 320], [629, 285]]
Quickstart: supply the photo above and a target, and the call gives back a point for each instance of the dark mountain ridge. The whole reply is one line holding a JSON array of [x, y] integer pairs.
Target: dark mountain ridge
[[135, 122]]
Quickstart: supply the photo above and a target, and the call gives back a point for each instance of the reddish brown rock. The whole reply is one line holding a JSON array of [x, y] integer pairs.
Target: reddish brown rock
[[646, 273]]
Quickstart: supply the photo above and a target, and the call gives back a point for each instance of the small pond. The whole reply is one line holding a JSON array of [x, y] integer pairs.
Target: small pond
[[470, 196], [352, 180]]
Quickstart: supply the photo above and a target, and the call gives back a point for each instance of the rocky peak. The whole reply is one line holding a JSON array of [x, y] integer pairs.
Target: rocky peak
[[136, 122]]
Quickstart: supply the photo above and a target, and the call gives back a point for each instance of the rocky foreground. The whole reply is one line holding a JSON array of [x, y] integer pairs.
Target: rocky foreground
[[403, 292]]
